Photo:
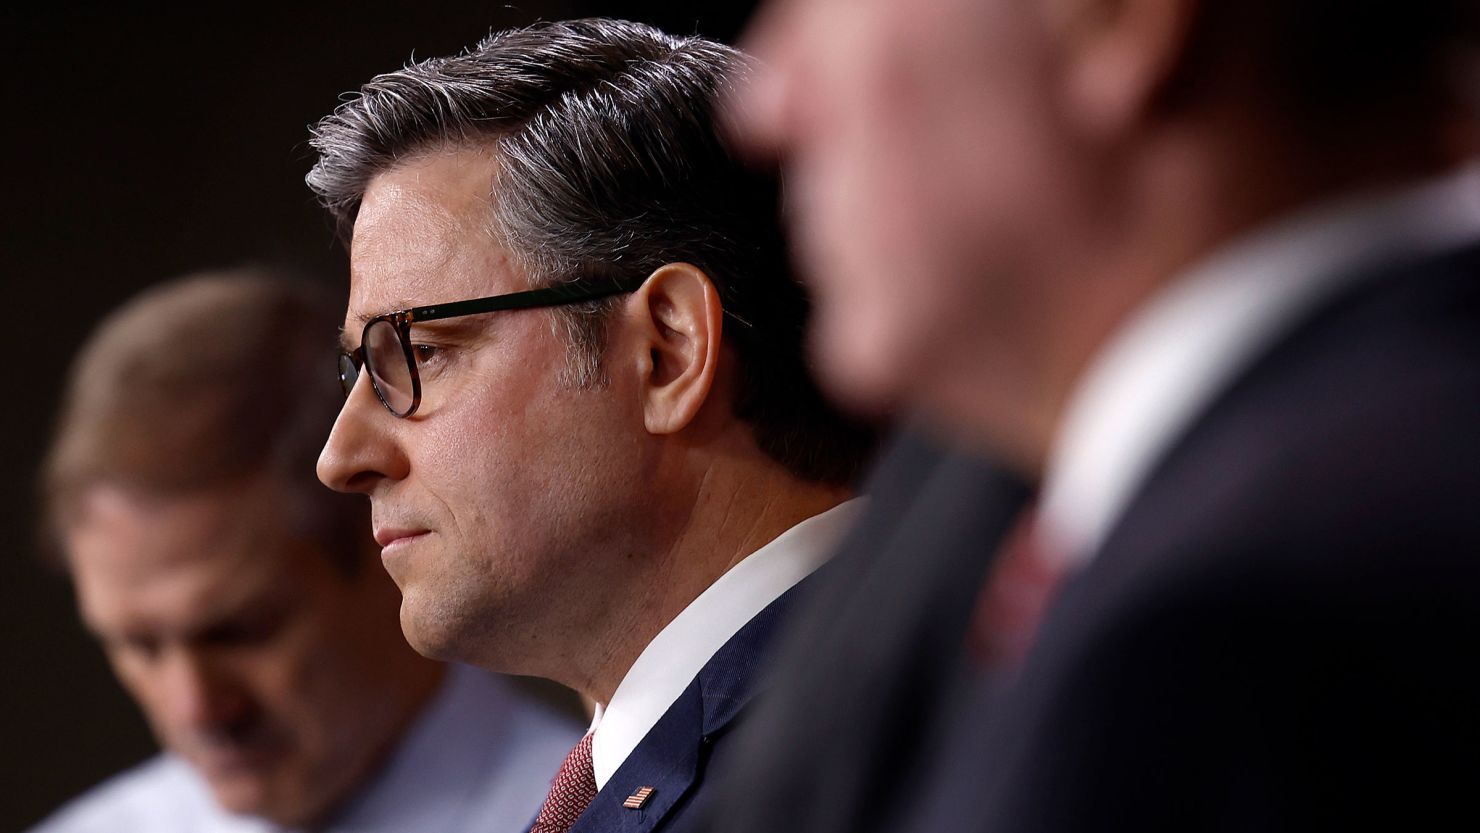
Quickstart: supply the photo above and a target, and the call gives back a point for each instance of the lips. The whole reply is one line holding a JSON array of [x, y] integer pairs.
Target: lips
[[237, 761], [388, 536], [247, 753]]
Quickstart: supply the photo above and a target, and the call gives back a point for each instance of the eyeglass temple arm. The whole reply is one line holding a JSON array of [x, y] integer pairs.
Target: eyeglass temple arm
[[550, 296]]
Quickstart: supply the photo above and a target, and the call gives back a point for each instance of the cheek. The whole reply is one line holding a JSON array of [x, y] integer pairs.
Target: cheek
[[312, 701], [473, 460], [506, 426], [287, 685], [868, 340], [492, 465], [294, 679], [497, 413], [146, 690], [868, 239]]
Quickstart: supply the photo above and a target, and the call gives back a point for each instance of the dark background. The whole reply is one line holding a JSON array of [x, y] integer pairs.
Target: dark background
[[138, 146]]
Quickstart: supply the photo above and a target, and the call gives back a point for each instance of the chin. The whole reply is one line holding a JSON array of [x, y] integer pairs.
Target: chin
[[247, 797], [854, 370], [417, 638], [286, 805], [428, 636]]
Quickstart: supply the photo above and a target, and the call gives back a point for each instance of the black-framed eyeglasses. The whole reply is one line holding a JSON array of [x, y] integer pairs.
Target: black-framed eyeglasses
[[385, 343]]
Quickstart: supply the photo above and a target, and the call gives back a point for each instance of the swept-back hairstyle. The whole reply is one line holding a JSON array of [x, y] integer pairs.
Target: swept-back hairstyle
[[611, 164], [202, 382]]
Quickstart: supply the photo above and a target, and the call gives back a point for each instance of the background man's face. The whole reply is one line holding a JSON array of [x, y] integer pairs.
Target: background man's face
[[252, 656], [920, 157], [499, 502]]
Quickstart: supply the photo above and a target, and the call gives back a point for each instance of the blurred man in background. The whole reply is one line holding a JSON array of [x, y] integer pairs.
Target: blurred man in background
[[1209, 274], [243, 605], [576, 393]]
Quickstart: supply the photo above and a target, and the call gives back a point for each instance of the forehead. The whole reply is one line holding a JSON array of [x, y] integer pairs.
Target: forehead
[[174, 563], [424, 234]]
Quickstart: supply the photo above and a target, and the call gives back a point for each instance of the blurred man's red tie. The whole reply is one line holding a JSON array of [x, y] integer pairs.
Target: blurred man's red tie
[[1017, 591]]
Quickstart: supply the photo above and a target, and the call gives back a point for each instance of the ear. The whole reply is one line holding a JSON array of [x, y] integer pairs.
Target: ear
[[679, 323], [1120, 57]]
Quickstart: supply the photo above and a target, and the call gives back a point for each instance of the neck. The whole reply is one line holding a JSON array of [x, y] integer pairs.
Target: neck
[[734, 508]]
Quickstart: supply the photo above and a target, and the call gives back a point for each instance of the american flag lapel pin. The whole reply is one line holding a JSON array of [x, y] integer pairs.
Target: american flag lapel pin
[[638, 798]]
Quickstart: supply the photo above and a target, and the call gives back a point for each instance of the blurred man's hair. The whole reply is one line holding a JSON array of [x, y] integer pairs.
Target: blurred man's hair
[[610, 164], [204, 382]]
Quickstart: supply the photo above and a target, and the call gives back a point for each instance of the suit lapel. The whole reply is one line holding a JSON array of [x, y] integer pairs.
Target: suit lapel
[[670, 760]]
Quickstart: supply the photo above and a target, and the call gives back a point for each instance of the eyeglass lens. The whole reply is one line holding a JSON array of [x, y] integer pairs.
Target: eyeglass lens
[[349, 373], [386, 359]]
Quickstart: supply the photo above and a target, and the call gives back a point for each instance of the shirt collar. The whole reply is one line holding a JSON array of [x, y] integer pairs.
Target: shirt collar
[[675, 656], [1189, 340]]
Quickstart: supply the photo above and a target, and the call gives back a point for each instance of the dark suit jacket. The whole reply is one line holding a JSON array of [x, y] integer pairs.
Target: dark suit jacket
[[678, 753], [868, 663], [1282, 632]]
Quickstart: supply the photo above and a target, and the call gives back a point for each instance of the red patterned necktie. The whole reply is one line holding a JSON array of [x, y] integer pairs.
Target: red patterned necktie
[[1017, 591], [571, 792]]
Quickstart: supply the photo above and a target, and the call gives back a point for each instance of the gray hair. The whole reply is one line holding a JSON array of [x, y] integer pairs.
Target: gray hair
[[611, 164]]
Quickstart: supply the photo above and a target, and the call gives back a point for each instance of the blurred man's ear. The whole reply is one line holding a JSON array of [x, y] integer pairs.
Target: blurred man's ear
[[1118, 57], [679, 324]]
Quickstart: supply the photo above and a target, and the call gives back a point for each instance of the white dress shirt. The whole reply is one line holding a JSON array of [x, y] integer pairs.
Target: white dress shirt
[[676, 655], [477, 760], [1189, 341]]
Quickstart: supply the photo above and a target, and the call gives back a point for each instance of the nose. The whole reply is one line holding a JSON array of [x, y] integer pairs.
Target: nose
[[362, 449], [200, 694], [757, 112]]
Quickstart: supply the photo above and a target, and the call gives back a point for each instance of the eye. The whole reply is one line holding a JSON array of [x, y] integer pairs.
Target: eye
[[425, 353], [244, 631], [133, 648], [430, 359]]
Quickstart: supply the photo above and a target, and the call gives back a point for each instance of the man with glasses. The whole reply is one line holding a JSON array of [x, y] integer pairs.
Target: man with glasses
[[241, 603], [576, 396]]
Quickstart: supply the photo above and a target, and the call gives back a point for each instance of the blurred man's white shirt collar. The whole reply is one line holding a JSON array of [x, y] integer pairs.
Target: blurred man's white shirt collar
[[478, 759], [676, 655], [1189, 341]]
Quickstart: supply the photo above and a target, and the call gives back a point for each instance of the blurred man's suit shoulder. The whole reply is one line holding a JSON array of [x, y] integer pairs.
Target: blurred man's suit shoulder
[[866, 672], [1288, 601]]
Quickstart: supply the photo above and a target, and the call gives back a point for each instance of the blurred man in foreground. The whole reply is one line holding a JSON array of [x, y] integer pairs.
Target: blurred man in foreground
[[1207, 273], [576, 394], [241, 603]]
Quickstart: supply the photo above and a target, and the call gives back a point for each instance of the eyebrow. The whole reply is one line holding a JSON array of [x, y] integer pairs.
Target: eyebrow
[[361, 319], [462, 327], [446, 327], [399, 306], [272, 598]]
